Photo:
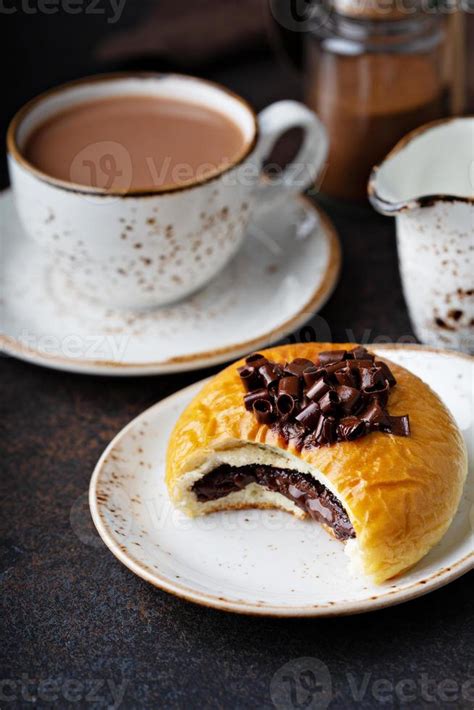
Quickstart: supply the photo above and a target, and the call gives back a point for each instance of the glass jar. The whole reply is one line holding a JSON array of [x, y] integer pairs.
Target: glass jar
[[371, 80]]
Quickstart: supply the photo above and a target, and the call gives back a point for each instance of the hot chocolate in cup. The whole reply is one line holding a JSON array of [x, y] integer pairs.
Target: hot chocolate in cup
[[140, 187]]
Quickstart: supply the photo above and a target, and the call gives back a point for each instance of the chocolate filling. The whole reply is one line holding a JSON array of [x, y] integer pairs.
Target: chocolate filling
[[308, 494]]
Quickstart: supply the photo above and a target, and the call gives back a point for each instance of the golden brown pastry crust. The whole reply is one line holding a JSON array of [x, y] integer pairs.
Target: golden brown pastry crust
[[401, 493]]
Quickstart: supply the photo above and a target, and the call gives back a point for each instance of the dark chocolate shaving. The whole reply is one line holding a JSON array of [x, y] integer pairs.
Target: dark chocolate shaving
[[268, 373], [311, 375], [349, 398], [360, 353], [328, 403], [334, 367], [298, 366], [318, 390], [263, 410], [289, 385], [351, 428], [340, 397], [309, 416], [252, 397], [400, 426], [250, 377], [326, 431], [255, 360], [387, 372], [330, 356], [285, 405], [375, 416], [345, 377]]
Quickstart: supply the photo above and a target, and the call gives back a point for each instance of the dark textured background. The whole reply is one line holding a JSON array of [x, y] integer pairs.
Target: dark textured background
[[71, 612]]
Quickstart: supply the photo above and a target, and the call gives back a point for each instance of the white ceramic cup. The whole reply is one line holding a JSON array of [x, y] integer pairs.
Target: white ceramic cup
[[427, 183], [138, 249]]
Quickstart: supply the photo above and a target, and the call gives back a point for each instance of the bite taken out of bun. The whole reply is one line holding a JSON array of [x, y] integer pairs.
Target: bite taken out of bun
[[387, 484]]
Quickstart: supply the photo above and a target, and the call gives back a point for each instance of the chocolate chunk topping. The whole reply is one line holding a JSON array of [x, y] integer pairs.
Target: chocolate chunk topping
[[311, 375], [345, 377], [298, 366], [348, 398], [351, 428], [286, 404], [252, 397], [309, 416], [250, 377], [263, 410], [328, 403], [400, 426], [360, 353], [307, 493], [340, 397], [269, 373], [326, 431], [376, 416], [318, 390], [289, 385], [387, 372], [330, 356]]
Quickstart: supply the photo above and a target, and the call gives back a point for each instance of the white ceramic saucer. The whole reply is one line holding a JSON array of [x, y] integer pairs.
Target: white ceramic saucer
[[284, 273], [260, 561]]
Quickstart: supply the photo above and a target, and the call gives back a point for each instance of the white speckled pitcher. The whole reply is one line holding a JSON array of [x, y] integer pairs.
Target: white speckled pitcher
[[427, 182], [137, 249]]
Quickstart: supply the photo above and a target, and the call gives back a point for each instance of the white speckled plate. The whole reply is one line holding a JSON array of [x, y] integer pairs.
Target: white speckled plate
[[283, 274], [260, 561]]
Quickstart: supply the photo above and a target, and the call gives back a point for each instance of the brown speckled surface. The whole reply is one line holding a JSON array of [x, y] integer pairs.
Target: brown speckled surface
[[74, 616]]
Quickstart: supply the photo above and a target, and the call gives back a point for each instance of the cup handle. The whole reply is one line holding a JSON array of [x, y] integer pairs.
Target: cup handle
[[303, 170]]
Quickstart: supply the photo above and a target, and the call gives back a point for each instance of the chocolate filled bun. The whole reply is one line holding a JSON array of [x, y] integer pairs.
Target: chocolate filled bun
[[328, 432]]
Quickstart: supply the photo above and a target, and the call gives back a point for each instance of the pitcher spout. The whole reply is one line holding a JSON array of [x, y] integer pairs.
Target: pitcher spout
[[434, 163]]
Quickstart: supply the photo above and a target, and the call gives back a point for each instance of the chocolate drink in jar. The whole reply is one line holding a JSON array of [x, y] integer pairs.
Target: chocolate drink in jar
[[374, 70], [373, 76]]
